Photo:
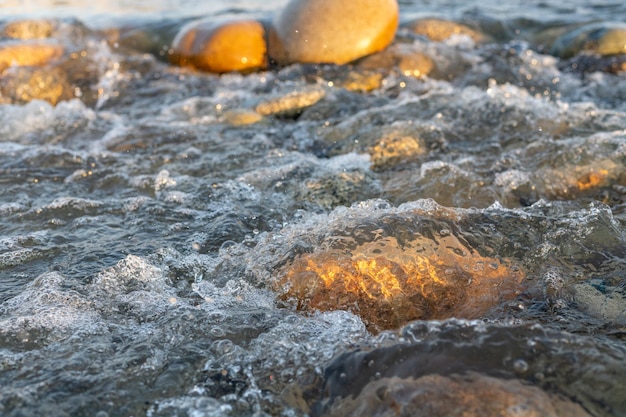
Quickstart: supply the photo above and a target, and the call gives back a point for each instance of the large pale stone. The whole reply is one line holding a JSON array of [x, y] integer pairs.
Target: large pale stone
[[332, 31], [226, 47], [27, 54]]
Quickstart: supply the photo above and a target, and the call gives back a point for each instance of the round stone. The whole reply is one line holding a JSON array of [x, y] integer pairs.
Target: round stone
[[28, 54], [331, 31], [439, 30], [468, 395], [28, 29], [225, 47], [604, 38], [24, 84]]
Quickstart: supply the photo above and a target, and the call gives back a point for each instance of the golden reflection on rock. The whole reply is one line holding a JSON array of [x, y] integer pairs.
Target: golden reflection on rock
[[388, 283], [22, 85], [603, 38], [226, 47], [570, 181], [470, 395], [291, 103], [392, 150], [439, 30], [28, 53], [331, 31], [410, 61], [241, 117], [28, 29], [361, 81]]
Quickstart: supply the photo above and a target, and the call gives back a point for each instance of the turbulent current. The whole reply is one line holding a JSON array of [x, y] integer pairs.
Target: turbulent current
[[315, 240]]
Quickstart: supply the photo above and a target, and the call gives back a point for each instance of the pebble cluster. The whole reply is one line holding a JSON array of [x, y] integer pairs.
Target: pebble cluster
[[35, 65]]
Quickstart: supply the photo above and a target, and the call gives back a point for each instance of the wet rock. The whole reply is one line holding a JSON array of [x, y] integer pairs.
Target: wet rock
[[407, 58], [28, 53], [291, 103], [471, 395], [388, 145], [571, 181], [24, 84], [603, 38], [396, 269], [28, 29], [337, 188], [329, 31], [361, 81], [584, 63], [241, 117], [609, 304], [155, 38], [439, 29], [395, 149], [225, 47], [481, 363]]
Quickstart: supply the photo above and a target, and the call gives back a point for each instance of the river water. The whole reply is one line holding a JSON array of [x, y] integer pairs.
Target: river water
[[167, 251]]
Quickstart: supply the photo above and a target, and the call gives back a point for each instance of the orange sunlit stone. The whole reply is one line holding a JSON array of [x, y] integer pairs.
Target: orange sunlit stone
[[593, 179], [388, 284], [226, 47]]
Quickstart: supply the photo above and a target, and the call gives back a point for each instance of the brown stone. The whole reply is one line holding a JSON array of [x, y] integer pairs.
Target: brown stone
[[291, 103], [28, 53], [361, 81], [471, 395], [28, 29], [439, 30], [241, 117], [226, 47], [331, 31], [24, 84], [603, 39], [393, 149], [389, 281], [411, 62]]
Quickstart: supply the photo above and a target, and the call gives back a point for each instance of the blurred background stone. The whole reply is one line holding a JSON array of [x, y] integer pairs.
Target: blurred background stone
[[329, 31]]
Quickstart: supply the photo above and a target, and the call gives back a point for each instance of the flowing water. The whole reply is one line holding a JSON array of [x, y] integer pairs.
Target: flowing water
[[163, 255]]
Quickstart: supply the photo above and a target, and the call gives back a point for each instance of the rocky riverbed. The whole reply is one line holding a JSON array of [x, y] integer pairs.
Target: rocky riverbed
[[410, 232]]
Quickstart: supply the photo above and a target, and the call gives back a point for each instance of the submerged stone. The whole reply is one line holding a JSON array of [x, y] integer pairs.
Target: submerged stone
[[241, 117], [471, 395], [407, 58], [155, 38], [584, 63], [28, 29], [395, 149], [28, 53], [24, 84], [361, 81], [397, 269], [291, 103], [453, 367], [605, 38], [330, 31], [225, 47], [439, 29]]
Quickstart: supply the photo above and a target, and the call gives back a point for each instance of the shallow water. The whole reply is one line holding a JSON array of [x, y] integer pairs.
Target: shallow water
[[161, 257]]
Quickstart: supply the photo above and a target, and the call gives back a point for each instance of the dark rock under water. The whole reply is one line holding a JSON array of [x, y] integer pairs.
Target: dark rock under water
[[167, 236]]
